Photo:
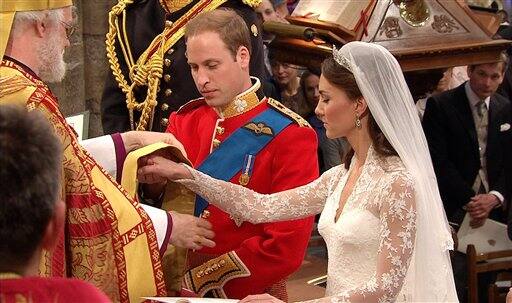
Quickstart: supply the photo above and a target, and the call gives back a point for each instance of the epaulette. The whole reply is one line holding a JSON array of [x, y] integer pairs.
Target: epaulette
[[190, 105], [12, 84], [288, 112]]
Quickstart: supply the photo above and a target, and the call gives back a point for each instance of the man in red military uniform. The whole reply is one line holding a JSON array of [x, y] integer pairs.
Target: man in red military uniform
[[235, 133]]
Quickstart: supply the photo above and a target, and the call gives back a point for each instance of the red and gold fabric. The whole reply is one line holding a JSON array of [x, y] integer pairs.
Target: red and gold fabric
[[16, 289], [109, 239], [248, 259]]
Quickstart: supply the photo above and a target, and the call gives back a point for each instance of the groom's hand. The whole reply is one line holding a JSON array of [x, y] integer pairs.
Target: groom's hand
[[191, 232]]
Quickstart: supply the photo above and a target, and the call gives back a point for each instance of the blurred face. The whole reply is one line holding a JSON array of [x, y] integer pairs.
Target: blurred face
[[218, 75], [282, 10], [336, 110], [284, 73], [51, 51], [266, 11], [484, 79], [311, 89]]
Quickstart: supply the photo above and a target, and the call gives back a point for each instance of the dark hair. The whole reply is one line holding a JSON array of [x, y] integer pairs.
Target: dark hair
[[30, 174], [308, 72], [231, 28], [345, 80]]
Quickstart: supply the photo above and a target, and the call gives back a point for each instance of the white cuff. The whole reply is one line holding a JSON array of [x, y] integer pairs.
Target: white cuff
[[103, 150], [160, 221], [498, 195]]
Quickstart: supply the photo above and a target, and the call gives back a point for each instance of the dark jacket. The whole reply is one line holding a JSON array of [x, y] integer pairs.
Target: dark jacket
[[453, 143]]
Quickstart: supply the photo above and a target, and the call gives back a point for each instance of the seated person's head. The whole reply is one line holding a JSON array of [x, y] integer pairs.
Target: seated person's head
[[284, 73], [31, 212], [484, 79], [281, 8], [266, 12], [218, 52], [309, 84]]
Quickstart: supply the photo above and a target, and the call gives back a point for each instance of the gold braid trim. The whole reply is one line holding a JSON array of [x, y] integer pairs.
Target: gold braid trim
[[252, 3], [215, 273], [149, 67], [288, 112]]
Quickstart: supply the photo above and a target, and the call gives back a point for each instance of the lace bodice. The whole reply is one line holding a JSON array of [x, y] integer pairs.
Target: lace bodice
[[369, 247]]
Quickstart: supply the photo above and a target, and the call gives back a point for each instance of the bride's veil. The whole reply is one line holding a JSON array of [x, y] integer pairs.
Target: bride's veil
[[381, 81]]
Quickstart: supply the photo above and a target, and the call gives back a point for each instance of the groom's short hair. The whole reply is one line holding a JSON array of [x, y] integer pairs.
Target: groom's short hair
[[231, 28]]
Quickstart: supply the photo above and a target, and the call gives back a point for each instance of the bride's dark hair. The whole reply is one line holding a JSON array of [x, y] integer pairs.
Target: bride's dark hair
[[343, 79]]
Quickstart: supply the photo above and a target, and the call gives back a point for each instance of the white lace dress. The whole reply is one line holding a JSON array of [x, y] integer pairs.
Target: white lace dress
[[369, 246]]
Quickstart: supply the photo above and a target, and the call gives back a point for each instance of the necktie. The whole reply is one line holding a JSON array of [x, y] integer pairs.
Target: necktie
[[481, 109]]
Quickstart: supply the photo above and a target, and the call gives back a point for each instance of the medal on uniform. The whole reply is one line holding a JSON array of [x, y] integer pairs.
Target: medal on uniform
[[245, 177]]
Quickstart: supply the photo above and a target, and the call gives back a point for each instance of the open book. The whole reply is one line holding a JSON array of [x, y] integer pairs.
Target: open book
[[346, 13]]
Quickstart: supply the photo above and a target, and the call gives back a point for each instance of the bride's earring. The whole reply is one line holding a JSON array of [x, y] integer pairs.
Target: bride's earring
[[358, 122]]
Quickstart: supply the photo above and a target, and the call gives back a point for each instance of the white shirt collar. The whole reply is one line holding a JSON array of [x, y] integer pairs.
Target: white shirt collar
[[473, 98]]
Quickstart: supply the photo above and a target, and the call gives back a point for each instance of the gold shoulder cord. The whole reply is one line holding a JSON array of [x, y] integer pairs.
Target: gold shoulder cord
[[148, 74], [148, 69]]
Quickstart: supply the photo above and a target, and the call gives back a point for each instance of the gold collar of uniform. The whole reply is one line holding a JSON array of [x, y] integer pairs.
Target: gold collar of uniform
[[244, 102]]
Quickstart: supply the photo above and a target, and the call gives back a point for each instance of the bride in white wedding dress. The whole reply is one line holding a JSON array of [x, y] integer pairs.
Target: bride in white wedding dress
[[381, 215]]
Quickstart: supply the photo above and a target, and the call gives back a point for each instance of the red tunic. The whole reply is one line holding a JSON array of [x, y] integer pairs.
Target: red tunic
[[55, 290], [270, 251]]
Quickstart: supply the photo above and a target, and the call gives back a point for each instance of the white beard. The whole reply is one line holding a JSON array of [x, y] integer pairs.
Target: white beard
[[52, 66]]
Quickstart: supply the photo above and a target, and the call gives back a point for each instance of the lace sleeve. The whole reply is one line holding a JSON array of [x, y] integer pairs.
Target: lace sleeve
[[397, 236], [258, 208]]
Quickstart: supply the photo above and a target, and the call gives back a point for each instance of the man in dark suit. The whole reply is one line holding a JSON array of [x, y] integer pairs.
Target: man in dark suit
[[145, 19], [468, 133]]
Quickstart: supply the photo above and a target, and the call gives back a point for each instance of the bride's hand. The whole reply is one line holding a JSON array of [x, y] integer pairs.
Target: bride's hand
[[260, 298], [157, 169]]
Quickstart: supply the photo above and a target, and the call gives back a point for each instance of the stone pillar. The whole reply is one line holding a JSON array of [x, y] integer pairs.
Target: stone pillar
[[95, 26]]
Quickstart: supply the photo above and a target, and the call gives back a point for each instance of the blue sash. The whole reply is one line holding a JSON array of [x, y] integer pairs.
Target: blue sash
[[228, 158]]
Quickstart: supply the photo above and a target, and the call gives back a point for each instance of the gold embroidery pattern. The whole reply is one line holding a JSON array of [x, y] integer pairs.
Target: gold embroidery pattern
[[74, 171], [90, 262], [215, 273], [115, 284], [243, 102], [85, 215], [10, 85]]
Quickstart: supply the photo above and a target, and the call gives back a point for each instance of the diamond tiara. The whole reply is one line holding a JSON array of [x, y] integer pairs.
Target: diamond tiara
[[340, 58]]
